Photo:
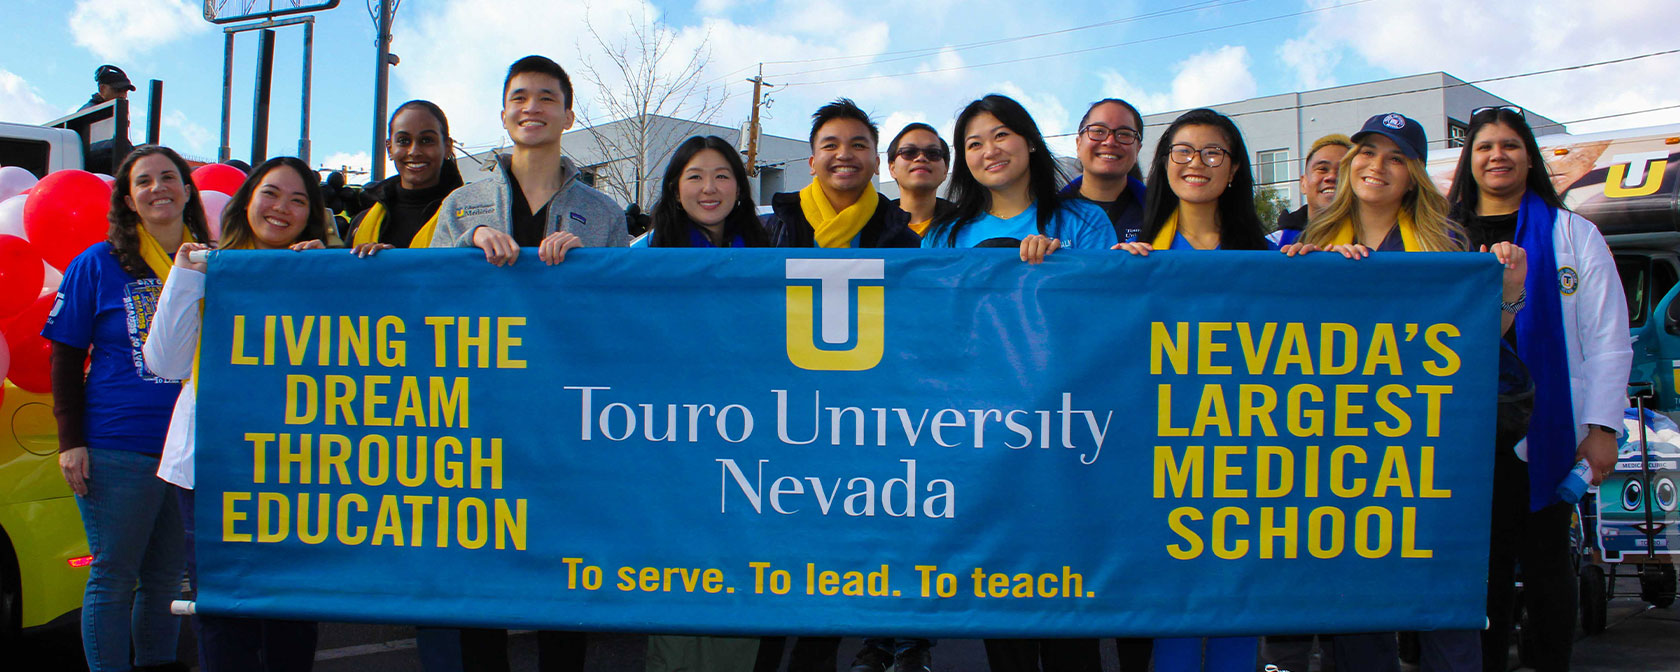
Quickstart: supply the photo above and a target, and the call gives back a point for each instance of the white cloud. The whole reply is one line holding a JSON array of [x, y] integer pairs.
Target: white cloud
[[194, 139], [357, 161], [20, 103], [1313, 61], [1207, 78], [1481, 40], [118, 29]]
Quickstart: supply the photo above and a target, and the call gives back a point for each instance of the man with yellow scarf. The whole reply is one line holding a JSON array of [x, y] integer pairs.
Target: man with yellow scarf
[[840, 208]]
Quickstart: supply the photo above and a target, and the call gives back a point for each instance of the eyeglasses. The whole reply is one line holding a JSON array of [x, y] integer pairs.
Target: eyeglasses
[[912, 152], [1124, 136], [1508, 108], [1212, 157]]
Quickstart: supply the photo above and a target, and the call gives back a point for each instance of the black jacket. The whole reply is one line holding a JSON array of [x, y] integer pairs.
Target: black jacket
[[401, 225], [888, 227], [1293, 221]]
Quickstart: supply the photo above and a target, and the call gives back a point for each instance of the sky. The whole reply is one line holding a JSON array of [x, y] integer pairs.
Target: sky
[[901, 61]]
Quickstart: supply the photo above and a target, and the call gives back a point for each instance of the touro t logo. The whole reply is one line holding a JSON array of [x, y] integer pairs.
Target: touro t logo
[[834, 278]]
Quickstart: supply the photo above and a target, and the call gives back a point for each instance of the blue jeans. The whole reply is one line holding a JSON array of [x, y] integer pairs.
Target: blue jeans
[[134, 530], [1223, 654], [234, 644]]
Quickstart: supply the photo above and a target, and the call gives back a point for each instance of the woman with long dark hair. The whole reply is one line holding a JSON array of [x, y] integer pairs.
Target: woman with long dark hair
[[1201, 189], [1003, 185], [112, 421], [405, 210], [704, 202], [1571, 330], [704, 199], [278, 207]]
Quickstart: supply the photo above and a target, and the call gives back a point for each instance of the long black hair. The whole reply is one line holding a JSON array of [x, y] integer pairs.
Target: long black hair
[[1239, 225], [1466, 194], [124, 232], [236, 226], [671, 224], [973, 199]]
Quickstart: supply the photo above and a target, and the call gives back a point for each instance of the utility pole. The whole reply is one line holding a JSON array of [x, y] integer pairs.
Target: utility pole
[[752, 127], [381, 85]]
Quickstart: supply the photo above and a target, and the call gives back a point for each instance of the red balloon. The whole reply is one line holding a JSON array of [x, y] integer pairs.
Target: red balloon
[[31, 353], [65, 214], [218, 177], [21, 275]]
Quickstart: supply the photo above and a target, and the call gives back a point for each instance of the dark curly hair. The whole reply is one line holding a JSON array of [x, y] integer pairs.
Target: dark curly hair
[[124, 232]]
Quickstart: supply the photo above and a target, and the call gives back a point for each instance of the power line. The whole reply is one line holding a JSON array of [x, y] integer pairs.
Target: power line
[[1078, 51]]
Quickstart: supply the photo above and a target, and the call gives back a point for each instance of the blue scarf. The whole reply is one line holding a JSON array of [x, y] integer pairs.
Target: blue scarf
[[1551, 431], [698, 238]]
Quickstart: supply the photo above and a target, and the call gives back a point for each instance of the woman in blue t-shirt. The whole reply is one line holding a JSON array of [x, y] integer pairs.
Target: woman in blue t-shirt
[[1003, 185], [1201, 197], [111, 423]]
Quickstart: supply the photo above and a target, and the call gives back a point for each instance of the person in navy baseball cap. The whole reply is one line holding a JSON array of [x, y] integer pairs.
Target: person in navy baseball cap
[[1403, 130]]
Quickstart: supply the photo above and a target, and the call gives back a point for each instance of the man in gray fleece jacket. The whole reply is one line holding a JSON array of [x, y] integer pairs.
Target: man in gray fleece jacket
[[534, 197]]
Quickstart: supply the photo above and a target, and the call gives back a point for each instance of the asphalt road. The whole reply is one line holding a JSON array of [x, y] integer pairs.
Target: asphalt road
[[1639, 639]]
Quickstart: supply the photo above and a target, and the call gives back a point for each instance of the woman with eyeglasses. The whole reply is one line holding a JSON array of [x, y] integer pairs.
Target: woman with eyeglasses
[[1004, 186], [1201, 197], [1110, 134], [1572, 333]]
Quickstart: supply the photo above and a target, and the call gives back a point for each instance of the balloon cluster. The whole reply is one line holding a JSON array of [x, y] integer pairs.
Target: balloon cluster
[[44, 224]]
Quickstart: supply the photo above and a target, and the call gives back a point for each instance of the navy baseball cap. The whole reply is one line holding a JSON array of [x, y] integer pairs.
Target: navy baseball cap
[[111, 75], [1403, 130]]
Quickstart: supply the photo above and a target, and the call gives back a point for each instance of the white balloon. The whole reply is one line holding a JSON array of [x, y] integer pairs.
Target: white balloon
[[50, 279], [109, 180], [11, 216], [214, 201], [13, 180], [5, 357]]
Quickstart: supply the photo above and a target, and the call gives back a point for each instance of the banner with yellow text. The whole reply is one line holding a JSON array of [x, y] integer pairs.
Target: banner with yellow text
[[904, 442]]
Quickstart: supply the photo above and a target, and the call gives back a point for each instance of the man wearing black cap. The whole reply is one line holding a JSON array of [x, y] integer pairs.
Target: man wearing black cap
[[113, 84]]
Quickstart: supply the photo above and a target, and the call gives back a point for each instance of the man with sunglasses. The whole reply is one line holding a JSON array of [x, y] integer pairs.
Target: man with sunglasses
[[919, 160], [1110, 134]]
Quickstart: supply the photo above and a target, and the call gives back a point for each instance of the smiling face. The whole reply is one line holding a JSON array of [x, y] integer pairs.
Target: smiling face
[[996, 155], [708, 188], [1197, 182], [156, 190], [417, 148], [279, 209], [843, 156], [1378, 172], [1498, 161], [1110, 158], [924, 171], [534, 110], [1318, 182]]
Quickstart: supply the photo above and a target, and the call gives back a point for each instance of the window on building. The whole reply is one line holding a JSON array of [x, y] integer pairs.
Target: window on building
[[1456, 131], [1274, 166]]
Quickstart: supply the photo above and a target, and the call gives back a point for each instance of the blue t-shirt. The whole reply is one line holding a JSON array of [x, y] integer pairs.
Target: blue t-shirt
[[1181, 243], [1080, 225], [101, 305]]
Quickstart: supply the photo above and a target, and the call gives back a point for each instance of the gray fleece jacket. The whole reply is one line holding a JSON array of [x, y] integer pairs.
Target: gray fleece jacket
[[576, 208]]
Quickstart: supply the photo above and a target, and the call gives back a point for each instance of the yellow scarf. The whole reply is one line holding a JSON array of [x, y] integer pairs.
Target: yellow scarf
[[836, 229], [156, 258], [198, 349], [373, 224], [1343, 234], [1169, 230]]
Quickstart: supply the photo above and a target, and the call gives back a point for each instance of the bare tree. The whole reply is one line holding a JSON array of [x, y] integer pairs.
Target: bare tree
[[647, 101]]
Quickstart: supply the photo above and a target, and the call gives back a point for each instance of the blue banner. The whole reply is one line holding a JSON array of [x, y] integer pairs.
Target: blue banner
[[904, 443]]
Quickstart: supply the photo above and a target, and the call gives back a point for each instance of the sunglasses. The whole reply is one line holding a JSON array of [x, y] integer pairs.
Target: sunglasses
[[912, 152], [1513, 109]]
